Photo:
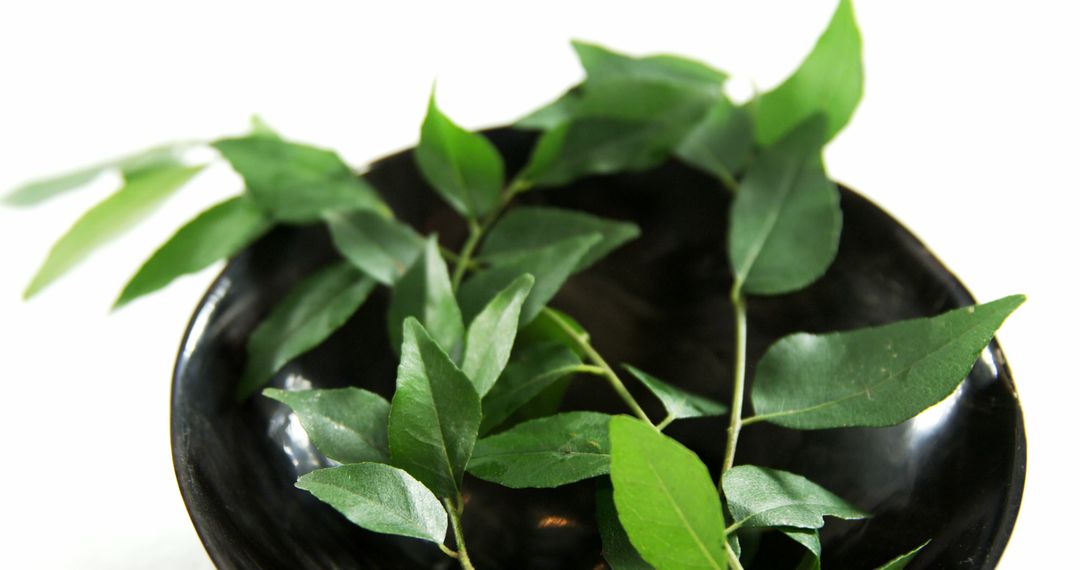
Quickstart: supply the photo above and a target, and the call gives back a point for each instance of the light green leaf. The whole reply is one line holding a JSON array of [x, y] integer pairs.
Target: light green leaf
[[876, 376], [785, 219], [551, 266], [530, 371], [297, 183], [379, 498], [215, 234], [618, 552], [142, 193], [434, 416], [463, 167], [156, 158], [829, 81], [553, 114], [721, 144], [530, 227], [762, 497], [678, 403], [424, 292], [666, 499], [347, 425], [491, 334], [602, 64], [901, 562], [379, 246], [308, 315], [546, 452]]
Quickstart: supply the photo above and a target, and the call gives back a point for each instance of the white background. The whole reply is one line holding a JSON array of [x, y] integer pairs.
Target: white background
[[967, 133]]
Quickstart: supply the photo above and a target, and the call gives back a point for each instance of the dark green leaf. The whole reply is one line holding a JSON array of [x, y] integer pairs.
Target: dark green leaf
[[901, 562], [602, 64], [551, 325], [347, 425], [379, 246], [551, 266], [142, 193], [157, 158], [491, 334], [785, 220], [721, 143], [677, 402], [379, 498], [434, 416], [531, 227], [463, 167], [553, 114], [530, 371], [310, 313], [618, 551], [829, 82], [762, 497], [215, 234], [806, 537], [424, 292], [297, 183], [876, 376], [809, 561], [666, 499], [547, 452]]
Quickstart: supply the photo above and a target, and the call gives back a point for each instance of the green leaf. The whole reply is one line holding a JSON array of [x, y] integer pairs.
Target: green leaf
[[901, 562], [347, 425], [602, 64], [379, 498], [531, 227], [156, 158], [379, 246], [721, 144], [215, 234], [829, 82], [618, 552], [434, 416], [666, 499], [876, 376], [551, 266], [491, 334], [297, 183], [785, 219], [547, 452], [530, 371], [806, 537], [142, 193], [678, 403], [551, 325], [463, 167], [424, 292], [308, 315], [762, 497], [553, 114], [809, 561]]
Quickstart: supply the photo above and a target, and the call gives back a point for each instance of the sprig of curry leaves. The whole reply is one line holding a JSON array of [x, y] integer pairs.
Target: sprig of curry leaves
[[480, 347]]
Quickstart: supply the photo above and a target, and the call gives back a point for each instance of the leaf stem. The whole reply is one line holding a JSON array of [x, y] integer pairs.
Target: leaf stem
[[455, 510], [476, 232], [613, 379], [733, 559], [738, 303], [665, 422]]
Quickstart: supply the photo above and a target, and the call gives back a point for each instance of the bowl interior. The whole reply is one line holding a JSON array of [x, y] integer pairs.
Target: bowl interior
[[954, 474]]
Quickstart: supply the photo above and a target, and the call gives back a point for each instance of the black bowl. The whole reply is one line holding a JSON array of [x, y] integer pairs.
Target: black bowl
[[954, 474]]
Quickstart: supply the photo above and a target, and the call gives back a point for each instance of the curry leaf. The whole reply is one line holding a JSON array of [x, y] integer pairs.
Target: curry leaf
[[379, 246], [602, 64], [829, 81], [310, 313], [531, 227], [546, 452], [762, 497], [379, 498], [553, 325], [347, 425], [678, 403], [142, 193], [530, 371], [785, 219], [809, 538], [666, 499], [491, 334], [424, 292], [297, 183], [876, 376], [553, 114], [618, 552], [215, 234], [721, 143], [901, 562], [434, 415], [463, 167]]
